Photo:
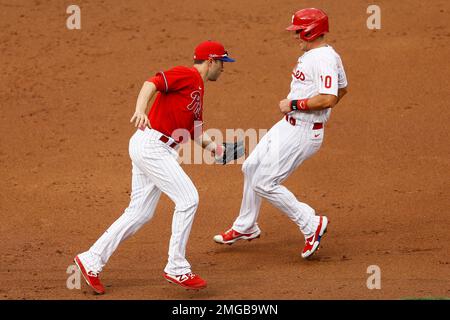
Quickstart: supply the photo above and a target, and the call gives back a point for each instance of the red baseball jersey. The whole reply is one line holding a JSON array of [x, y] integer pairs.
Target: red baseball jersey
[[179, 102]]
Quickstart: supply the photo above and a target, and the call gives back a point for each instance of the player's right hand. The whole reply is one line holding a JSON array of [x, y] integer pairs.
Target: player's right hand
[[140, 120], [285, 106]]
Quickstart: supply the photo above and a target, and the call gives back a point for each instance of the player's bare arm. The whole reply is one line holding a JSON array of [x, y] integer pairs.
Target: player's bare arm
[[140, 117], [318, 102]]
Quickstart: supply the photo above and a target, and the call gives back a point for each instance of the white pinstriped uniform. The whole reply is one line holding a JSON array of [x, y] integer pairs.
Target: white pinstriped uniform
[[155, 170], [286, 146]]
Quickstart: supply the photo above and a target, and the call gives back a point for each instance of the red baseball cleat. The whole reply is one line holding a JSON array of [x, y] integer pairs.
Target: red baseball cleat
[[187, 281], [312, 243], [91, 278], [231, 236]]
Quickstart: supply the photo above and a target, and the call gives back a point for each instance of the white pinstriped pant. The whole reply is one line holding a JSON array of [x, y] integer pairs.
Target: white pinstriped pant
[[155, 169], [275, 157]]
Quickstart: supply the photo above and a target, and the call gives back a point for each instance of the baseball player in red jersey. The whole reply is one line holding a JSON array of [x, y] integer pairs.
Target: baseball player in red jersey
[[318, 83], [155, 169]]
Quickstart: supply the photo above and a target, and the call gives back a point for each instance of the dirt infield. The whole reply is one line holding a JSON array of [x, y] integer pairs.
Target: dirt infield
[[381, 176]]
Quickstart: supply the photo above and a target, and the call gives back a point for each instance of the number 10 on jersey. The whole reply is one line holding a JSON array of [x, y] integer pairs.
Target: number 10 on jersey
[[327, 81]]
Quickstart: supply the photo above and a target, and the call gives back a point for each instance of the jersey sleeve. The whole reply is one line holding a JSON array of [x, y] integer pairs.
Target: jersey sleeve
[[342, 77], [328, 74], [159, 82], [172, 80]]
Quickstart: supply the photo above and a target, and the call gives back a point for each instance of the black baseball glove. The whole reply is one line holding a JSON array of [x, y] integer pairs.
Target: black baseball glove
[[231, 151]]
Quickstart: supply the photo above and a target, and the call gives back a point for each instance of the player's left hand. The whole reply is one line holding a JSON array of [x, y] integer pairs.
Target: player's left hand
[[285, 106]]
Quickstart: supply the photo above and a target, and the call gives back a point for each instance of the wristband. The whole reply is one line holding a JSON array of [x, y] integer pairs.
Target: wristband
[[301, 104]]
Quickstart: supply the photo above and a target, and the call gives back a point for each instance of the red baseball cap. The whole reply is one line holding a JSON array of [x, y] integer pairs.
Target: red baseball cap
[[211, 49]]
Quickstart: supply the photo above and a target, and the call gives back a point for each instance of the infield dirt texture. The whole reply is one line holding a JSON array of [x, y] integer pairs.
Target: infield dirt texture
[[381, 176]]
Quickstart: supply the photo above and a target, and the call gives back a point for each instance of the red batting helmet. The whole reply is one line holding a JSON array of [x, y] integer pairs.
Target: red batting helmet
[[311, 22]]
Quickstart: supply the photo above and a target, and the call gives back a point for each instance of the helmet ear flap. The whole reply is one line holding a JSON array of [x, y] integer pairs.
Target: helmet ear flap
[[315, 30]]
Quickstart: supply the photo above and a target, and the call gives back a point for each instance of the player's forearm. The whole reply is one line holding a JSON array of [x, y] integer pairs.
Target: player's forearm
[[321, 101], [325, 101], [318, 102], [147, 92]]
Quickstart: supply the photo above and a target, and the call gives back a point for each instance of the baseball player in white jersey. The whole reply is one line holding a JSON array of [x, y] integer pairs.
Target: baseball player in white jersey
[[318, 83]]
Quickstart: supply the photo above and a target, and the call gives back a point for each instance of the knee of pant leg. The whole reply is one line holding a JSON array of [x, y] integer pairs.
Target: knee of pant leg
[[137, 215], [262, 188], [189, 201]]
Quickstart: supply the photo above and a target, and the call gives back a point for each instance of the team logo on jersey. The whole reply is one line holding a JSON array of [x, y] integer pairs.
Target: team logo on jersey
[[298, 75], [196, 105]]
